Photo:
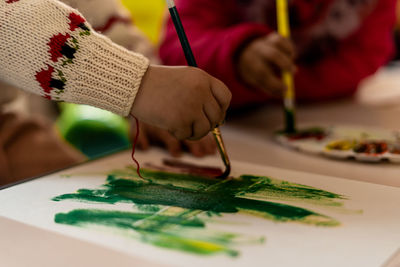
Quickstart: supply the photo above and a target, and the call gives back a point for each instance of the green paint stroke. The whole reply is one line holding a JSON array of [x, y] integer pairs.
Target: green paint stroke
[[168, 205], [254, 186], [178, 179], [263, 187], [222, 197], [162, 236], [184, 190]]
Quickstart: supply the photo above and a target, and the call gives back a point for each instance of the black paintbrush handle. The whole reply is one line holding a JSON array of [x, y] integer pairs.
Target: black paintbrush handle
[[182, 37]]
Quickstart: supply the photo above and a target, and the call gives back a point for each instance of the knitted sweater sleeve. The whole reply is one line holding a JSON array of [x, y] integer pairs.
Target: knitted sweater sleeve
[[49, 49]]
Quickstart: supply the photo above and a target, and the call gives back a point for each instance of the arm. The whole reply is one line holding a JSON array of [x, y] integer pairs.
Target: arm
[[215, 40], [48, 48], [357, 57], [59, 56], [113, 20]]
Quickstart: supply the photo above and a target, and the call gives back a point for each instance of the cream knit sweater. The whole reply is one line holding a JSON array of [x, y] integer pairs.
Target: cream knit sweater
[[48, 48]]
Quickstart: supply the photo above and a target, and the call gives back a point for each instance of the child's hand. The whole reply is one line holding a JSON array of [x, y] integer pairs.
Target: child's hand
[[263, 59], [185, 101], [150, 135]]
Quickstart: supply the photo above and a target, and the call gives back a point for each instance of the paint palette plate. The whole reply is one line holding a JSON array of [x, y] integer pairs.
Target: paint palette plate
[[361, 144]]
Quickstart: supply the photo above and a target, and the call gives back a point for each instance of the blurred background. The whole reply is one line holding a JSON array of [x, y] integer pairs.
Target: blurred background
[[148, 16], [96, 132]]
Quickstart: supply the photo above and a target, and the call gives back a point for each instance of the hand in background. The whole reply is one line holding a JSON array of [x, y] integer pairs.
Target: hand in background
[[262, 60], [150, 135], [185, 101]]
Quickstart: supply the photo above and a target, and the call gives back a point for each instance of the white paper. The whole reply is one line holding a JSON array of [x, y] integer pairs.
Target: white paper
[[364, 239]]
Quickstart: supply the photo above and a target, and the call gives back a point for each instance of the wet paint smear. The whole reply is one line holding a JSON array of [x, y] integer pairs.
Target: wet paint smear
[[224, 197], [122, 186], [169, 205], [158, 230]]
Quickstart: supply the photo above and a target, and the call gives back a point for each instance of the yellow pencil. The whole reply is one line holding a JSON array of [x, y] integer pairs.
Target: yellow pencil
[[289, 95]]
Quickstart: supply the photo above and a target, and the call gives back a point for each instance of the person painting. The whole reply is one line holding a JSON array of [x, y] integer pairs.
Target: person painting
[[334, 45], [48, 48]]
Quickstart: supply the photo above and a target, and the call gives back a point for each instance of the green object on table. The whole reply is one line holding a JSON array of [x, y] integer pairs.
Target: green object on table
[[93, 131]]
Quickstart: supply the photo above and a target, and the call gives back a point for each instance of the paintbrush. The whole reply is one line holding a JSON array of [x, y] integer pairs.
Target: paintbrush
[[289, 95], [192, 62]]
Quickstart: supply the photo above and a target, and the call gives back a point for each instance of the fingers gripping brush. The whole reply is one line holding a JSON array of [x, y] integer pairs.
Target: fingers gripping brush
[[192, 62]]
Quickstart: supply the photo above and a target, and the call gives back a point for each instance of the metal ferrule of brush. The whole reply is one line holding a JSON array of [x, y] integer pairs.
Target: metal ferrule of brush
[[221, 146]]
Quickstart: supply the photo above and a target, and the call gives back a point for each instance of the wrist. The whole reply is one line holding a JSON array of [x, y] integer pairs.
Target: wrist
[[136, 105]]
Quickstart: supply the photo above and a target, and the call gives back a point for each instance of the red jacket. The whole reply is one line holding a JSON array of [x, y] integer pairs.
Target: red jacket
[[339, 42]]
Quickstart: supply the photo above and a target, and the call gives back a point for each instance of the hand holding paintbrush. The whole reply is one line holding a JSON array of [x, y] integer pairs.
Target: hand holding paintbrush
[[260, 63], [262, 60], [194, 101], [192, 62]]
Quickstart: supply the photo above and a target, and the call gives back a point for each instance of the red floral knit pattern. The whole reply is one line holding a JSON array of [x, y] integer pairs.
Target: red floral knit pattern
[[44, 77], [48, 48], [57, 44], [75, 21], [62, 50]]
